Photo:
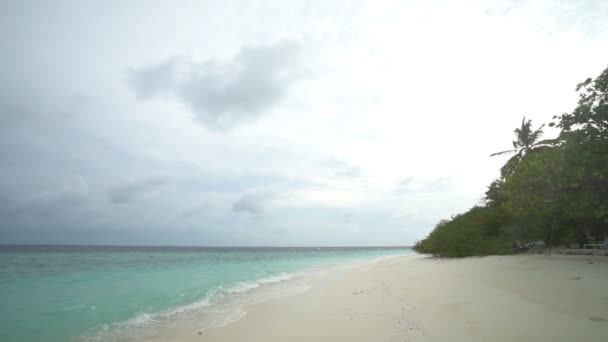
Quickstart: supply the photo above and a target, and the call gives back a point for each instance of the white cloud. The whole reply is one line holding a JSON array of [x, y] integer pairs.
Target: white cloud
[[309, 110]]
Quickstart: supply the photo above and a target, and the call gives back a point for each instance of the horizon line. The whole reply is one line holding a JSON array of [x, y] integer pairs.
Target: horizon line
[[203, 246]]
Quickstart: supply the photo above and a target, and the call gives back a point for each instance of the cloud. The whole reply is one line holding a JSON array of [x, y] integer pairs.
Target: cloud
[[195, 211], [342, 168], [417, 185], [254, 202], [74, 191], [440, 184], [224, 94], [128, 192], [349, 215], [367, 104], [406, 184], [153, 80], [70, 192], [279, 231], [583, 16]]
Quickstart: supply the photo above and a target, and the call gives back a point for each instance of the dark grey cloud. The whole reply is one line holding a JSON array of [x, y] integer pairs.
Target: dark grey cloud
[[254, 202], [129, 191], [70, 192], [223, 94]]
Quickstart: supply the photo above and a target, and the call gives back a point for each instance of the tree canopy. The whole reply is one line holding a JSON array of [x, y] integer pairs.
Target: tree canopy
[[526, 141], [552, 190]]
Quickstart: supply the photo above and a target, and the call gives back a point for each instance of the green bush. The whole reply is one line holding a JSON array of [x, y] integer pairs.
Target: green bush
[[554, 190], [474, 233]]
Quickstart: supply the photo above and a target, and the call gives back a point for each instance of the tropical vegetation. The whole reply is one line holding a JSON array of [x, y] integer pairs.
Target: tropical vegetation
[[551, 190]]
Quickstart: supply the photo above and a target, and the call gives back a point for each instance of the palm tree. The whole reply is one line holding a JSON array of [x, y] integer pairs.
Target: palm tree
[[526, 142]]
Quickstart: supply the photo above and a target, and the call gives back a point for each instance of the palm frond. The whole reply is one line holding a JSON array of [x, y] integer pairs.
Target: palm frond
[[503, 153], [547, 142], [536, 134]]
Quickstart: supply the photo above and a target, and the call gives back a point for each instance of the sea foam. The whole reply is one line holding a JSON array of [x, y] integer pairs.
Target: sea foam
[[220, 307]]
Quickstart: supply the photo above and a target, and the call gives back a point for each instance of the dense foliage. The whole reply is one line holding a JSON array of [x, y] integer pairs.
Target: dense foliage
[[552, 190]]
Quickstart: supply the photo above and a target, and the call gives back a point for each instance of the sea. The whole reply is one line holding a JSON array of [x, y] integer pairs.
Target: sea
[[125, 293]]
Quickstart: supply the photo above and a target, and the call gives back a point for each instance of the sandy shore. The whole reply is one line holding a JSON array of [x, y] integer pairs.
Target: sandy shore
[[415, 298]]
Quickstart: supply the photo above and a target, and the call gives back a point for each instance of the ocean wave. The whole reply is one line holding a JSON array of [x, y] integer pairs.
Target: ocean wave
[[141, 319], [250, 285], [219, 307]]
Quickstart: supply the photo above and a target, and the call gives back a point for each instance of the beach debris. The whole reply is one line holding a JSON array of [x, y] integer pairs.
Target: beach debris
[[200, 333], [597, 319], [575, 278]]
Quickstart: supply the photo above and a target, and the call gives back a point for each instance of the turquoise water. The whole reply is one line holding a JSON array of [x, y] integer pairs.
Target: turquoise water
[[73, 293]]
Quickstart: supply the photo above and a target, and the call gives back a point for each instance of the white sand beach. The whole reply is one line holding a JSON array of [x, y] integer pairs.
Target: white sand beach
[[418, 298]]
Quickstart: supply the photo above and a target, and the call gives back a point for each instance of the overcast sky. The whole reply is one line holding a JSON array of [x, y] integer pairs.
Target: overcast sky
[[272, 122]]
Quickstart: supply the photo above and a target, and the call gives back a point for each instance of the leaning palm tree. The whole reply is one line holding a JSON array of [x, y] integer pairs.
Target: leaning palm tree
[[527, 141]]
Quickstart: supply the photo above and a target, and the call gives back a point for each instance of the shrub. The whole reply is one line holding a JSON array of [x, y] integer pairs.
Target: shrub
[[477, 232]]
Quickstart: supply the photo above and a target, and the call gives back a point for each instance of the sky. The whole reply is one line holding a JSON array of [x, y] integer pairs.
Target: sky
[[272, 123]]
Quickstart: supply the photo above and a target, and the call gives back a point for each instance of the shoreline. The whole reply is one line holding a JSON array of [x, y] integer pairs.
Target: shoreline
[[222, 306], [523, 297]]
